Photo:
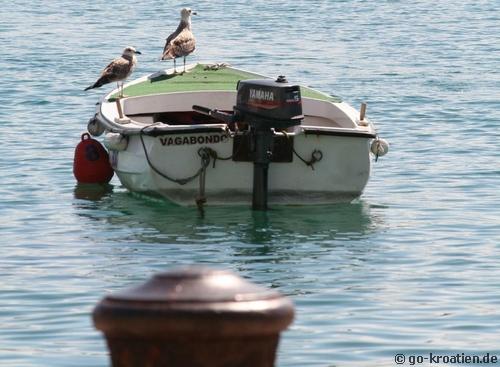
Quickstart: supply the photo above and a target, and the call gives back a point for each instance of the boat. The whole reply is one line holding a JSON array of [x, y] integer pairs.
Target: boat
[[183, 137]]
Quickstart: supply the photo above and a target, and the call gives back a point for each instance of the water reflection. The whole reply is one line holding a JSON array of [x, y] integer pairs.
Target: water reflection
[[293, 248], [92, 192], [154, 220]]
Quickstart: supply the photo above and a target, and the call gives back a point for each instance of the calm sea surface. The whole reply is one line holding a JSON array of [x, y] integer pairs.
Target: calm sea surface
[[411, 267]]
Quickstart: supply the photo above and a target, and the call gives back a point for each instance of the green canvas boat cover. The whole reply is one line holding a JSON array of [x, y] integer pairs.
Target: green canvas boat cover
[[203, 78]]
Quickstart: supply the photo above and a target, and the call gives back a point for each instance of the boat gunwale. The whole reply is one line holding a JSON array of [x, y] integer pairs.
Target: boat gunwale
[[306, 130], [313, 130], [160, 128]]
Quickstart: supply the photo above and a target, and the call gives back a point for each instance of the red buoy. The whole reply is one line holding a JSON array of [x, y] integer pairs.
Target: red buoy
[[91, 163]]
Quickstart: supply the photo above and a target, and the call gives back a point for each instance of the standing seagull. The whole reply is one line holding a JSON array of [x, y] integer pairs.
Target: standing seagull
[[118, 70], [182, 42]]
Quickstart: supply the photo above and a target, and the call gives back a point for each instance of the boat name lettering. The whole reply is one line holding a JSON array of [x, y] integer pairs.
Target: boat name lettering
[[264, 95], [192, 140]]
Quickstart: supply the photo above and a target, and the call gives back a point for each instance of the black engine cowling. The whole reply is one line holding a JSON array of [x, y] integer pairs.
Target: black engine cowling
[[268, 103]]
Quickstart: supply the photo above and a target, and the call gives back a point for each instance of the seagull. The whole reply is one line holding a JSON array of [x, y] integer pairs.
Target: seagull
[[118, 70], [182, 42]]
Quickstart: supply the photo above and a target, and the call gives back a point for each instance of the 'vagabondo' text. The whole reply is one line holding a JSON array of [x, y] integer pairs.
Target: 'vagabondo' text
[[192, 140]]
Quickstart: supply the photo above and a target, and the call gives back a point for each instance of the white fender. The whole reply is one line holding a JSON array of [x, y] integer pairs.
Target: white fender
[[379, 147], [115, 141], [94, 127]]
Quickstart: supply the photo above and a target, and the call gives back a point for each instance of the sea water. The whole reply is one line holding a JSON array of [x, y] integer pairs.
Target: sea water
[[410, 268]]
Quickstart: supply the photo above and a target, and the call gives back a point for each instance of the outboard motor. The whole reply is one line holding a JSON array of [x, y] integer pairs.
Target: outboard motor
[[264, 105]]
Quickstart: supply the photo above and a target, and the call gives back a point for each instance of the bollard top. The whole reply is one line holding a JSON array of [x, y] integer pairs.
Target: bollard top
[[195, 284], [198, 301]]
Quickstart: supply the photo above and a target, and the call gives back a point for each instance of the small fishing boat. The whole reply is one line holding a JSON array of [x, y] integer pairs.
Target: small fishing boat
[[222, 135]]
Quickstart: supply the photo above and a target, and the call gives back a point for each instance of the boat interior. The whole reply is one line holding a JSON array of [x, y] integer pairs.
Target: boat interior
[[176, 118], [176, 109]]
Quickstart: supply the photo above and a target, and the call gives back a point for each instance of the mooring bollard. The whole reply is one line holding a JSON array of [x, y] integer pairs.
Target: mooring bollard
[[194, 317]]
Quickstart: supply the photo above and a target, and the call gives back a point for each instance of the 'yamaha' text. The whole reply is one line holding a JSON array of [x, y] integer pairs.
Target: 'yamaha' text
[[264, 95]]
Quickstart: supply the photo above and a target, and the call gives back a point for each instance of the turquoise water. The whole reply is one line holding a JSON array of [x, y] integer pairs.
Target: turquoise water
[[411, 267]]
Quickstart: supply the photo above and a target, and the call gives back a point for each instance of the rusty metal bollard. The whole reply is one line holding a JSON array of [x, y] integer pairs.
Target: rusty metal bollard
[[193, 317]]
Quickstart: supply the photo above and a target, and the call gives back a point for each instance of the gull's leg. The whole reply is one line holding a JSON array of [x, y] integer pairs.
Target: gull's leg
[[184, 63], [175, 69]]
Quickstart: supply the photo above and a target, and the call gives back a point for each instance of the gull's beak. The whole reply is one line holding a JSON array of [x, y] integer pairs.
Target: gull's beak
[[138, 52], [194, 13]]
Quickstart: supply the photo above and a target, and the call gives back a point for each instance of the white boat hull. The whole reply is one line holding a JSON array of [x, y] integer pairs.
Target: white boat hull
[[341, 174]]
